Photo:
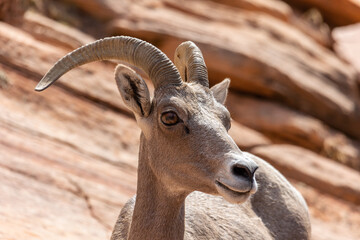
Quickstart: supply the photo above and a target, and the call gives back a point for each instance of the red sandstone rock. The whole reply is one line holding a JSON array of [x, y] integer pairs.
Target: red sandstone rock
[[67, 165], [336, 12], [347, 45], [51, 31], [99, 131], [314, 170], [247, 138], [330, 216], [284, 124], [12, 10], [282, 11], [275, 8], [102, 9]]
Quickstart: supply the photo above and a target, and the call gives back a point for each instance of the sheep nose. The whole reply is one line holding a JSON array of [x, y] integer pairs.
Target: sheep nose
[[245, 171]]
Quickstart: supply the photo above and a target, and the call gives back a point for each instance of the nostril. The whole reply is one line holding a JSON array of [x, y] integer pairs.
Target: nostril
[[241, 171]]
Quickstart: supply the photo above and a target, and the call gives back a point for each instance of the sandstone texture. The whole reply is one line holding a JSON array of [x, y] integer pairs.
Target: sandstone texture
[[283, 124], [68, 155], [336, 12], [347, 43]]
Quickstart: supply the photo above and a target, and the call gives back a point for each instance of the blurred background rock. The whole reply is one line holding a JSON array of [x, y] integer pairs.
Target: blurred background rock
[[68, 156]]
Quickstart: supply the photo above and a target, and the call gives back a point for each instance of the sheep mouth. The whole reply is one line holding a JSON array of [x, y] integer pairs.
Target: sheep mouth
[[227, 188], [232, 195]]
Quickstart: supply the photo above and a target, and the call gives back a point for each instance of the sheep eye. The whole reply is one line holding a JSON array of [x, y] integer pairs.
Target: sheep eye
[[169, 118]]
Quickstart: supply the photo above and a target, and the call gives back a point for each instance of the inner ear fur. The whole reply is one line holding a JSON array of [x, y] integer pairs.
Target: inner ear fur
[[220, 90], [133, 90]]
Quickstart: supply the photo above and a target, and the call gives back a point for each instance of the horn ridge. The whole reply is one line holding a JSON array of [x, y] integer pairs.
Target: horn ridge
[[142, 54], [190, 62]]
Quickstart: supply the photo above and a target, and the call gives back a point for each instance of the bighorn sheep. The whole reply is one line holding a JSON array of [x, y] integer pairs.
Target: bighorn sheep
[[191, 173]]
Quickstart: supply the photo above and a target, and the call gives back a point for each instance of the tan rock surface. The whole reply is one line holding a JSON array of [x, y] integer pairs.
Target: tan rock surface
[[61, 214], [102, 9], [275, 8], [347, 45], [284, 124], [247, 138], [51, 31], [303, 165], [330, 216], [12, 10], [279, 9], [336, 12], [64, 174]]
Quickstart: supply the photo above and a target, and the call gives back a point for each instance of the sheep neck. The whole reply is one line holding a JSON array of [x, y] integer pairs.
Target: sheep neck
[[158, 214]]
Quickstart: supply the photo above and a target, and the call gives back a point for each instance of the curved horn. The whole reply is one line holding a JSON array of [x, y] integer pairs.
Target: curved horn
[[132, 50], [190, 63]]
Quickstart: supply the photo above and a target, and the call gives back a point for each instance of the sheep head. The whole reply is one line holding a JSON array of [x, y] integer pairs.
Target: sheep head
[[184, 126]]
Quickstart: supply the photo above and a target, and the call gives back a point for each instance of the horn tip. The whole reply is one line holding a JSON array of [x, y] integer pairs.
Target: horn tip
[[38, 89], [42, 85]]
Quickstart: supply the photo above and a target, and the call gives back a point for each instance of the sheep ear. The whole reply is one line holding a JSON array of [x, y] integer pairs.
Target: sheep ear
[[220, 90], [133, 90]]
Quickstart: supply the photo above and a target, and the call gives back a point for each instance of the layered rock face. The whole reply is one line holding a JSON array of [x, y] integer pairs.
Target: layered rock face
[[68, 156]]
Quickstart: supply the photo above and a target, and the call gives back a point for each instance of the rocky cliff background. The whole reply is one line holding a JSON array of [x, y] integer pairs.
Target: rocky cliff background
[[68, 156]]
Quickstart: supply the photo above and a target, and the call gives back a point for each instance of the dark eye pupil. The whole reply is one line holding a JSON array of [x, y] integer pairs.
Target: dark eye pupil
[[169, 118]]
